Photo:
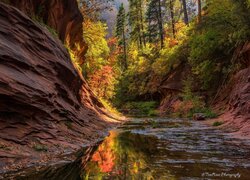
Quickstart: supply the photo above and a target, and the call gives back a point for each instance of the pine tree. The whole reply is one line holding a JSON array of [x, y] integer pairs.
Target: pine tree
[[160, 23], [199, 11], [136, 22], [154, 19], [171, 7], [121, 34], [184, 4], [151, 18]]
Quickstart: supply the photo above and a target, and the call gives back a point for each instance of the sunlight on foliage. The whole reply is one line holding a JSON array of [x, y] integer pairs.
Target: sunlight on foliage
[[94, 34], [74, 59]]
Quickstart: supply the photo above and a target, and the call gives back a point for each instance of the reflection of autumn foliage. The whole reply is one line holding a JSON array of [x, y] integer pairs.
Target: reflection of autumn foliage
[[105, 156], [105, 160], [119, 157]]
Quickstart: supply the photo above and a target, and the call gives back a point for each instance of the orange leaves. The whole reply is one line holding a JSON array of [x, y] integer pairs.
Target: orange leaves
[[105, 160], [102, 82], [105, 156], [183, 107]]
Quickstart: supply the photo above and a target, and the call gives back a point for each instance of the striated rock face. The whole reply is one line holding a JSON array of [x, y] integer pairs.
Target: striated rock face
[[171, 88], [44, 102], [62, 15], [234, 98]]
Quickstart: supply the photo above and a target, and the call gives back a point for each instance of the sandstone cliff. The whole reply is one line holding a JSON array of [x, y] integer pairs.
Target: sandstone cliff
[[63, 16], [46, 107], [171, 87], [233, 99]]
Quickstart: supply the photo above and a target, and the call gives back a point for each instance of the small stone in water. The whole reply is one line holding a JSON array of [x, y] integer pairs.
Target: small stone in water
[[199, 116]]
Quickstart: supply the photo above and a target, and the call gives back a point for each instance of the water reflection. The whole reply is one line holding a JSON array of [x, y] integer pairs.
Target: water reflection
[[171, 149], [123, 155], [165, 149]]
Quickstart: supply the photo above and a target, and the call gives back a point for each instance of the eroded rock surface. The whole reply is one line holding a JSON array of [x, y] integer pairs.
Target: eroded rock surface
[[62, 16], [234, 98], [171, 87], [45, 104]]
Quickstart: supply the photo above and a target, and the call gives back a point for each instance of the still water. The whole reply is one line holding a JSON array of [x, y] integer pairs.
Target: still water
[[169, 149]]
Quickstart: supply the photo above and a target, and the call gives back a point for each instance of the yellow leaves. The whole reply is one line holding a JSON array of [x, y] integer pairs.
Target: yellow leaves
[[159, 67], [94, 34], [171, 54], [74, 58], [182, 31]]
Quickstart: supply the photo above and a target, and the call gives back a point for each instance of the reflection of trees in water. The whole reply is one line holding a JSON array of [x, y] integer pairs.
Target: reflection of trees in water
[[121, 156]]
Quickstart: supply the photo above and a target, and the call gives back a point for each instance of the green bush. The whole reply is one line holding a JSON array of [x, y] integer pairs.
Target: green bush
[[68, 124], [153, 113], [40, 147], [39, 20], [146, 108], [209, 113], [5, 147], [205, 110], [225, 26], [218, 123]]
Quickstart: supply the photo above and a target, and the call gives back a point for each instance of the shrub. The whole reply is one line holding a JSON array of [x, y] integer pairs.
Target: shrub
[[40, 21], [209, 113], [109, 106], [4, 147], [40, 147], [146, 108], [218, 123], [152, 113]]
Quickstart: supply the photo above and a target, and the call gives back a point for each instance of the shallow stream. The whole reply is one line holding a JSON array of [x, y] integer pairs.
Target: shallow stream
[[166, 149]]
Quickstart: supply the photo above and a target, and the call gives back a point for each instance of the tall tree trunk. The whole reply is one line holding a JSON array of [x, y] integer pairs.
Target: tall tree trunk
[[171, 6], [142, 23], [138, 25], [199, 11], [160, 24], [185, 11], [150, 34], [125, 64]]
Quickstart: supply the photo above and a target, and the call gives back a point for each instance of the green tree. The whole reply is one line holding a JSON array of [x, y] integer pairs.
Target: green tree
[[94, 34], [154, 19], [184, 4], [136, 22], [121, 34], [199, 11], [171, 8]]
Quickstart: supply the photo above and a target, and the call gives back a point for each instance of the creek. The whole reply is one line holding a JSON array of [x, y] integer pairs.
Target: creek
[[166, 149]]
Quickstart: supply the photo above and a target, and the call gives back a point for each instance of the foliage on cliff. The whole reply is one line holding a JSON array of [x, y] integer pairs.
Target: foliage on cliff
[[207, 46], [151, 42]]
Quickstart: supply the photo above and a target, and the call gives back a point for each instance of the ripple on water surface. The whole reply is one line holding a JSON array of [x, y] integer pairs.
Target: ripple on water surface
[[166, 149]]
